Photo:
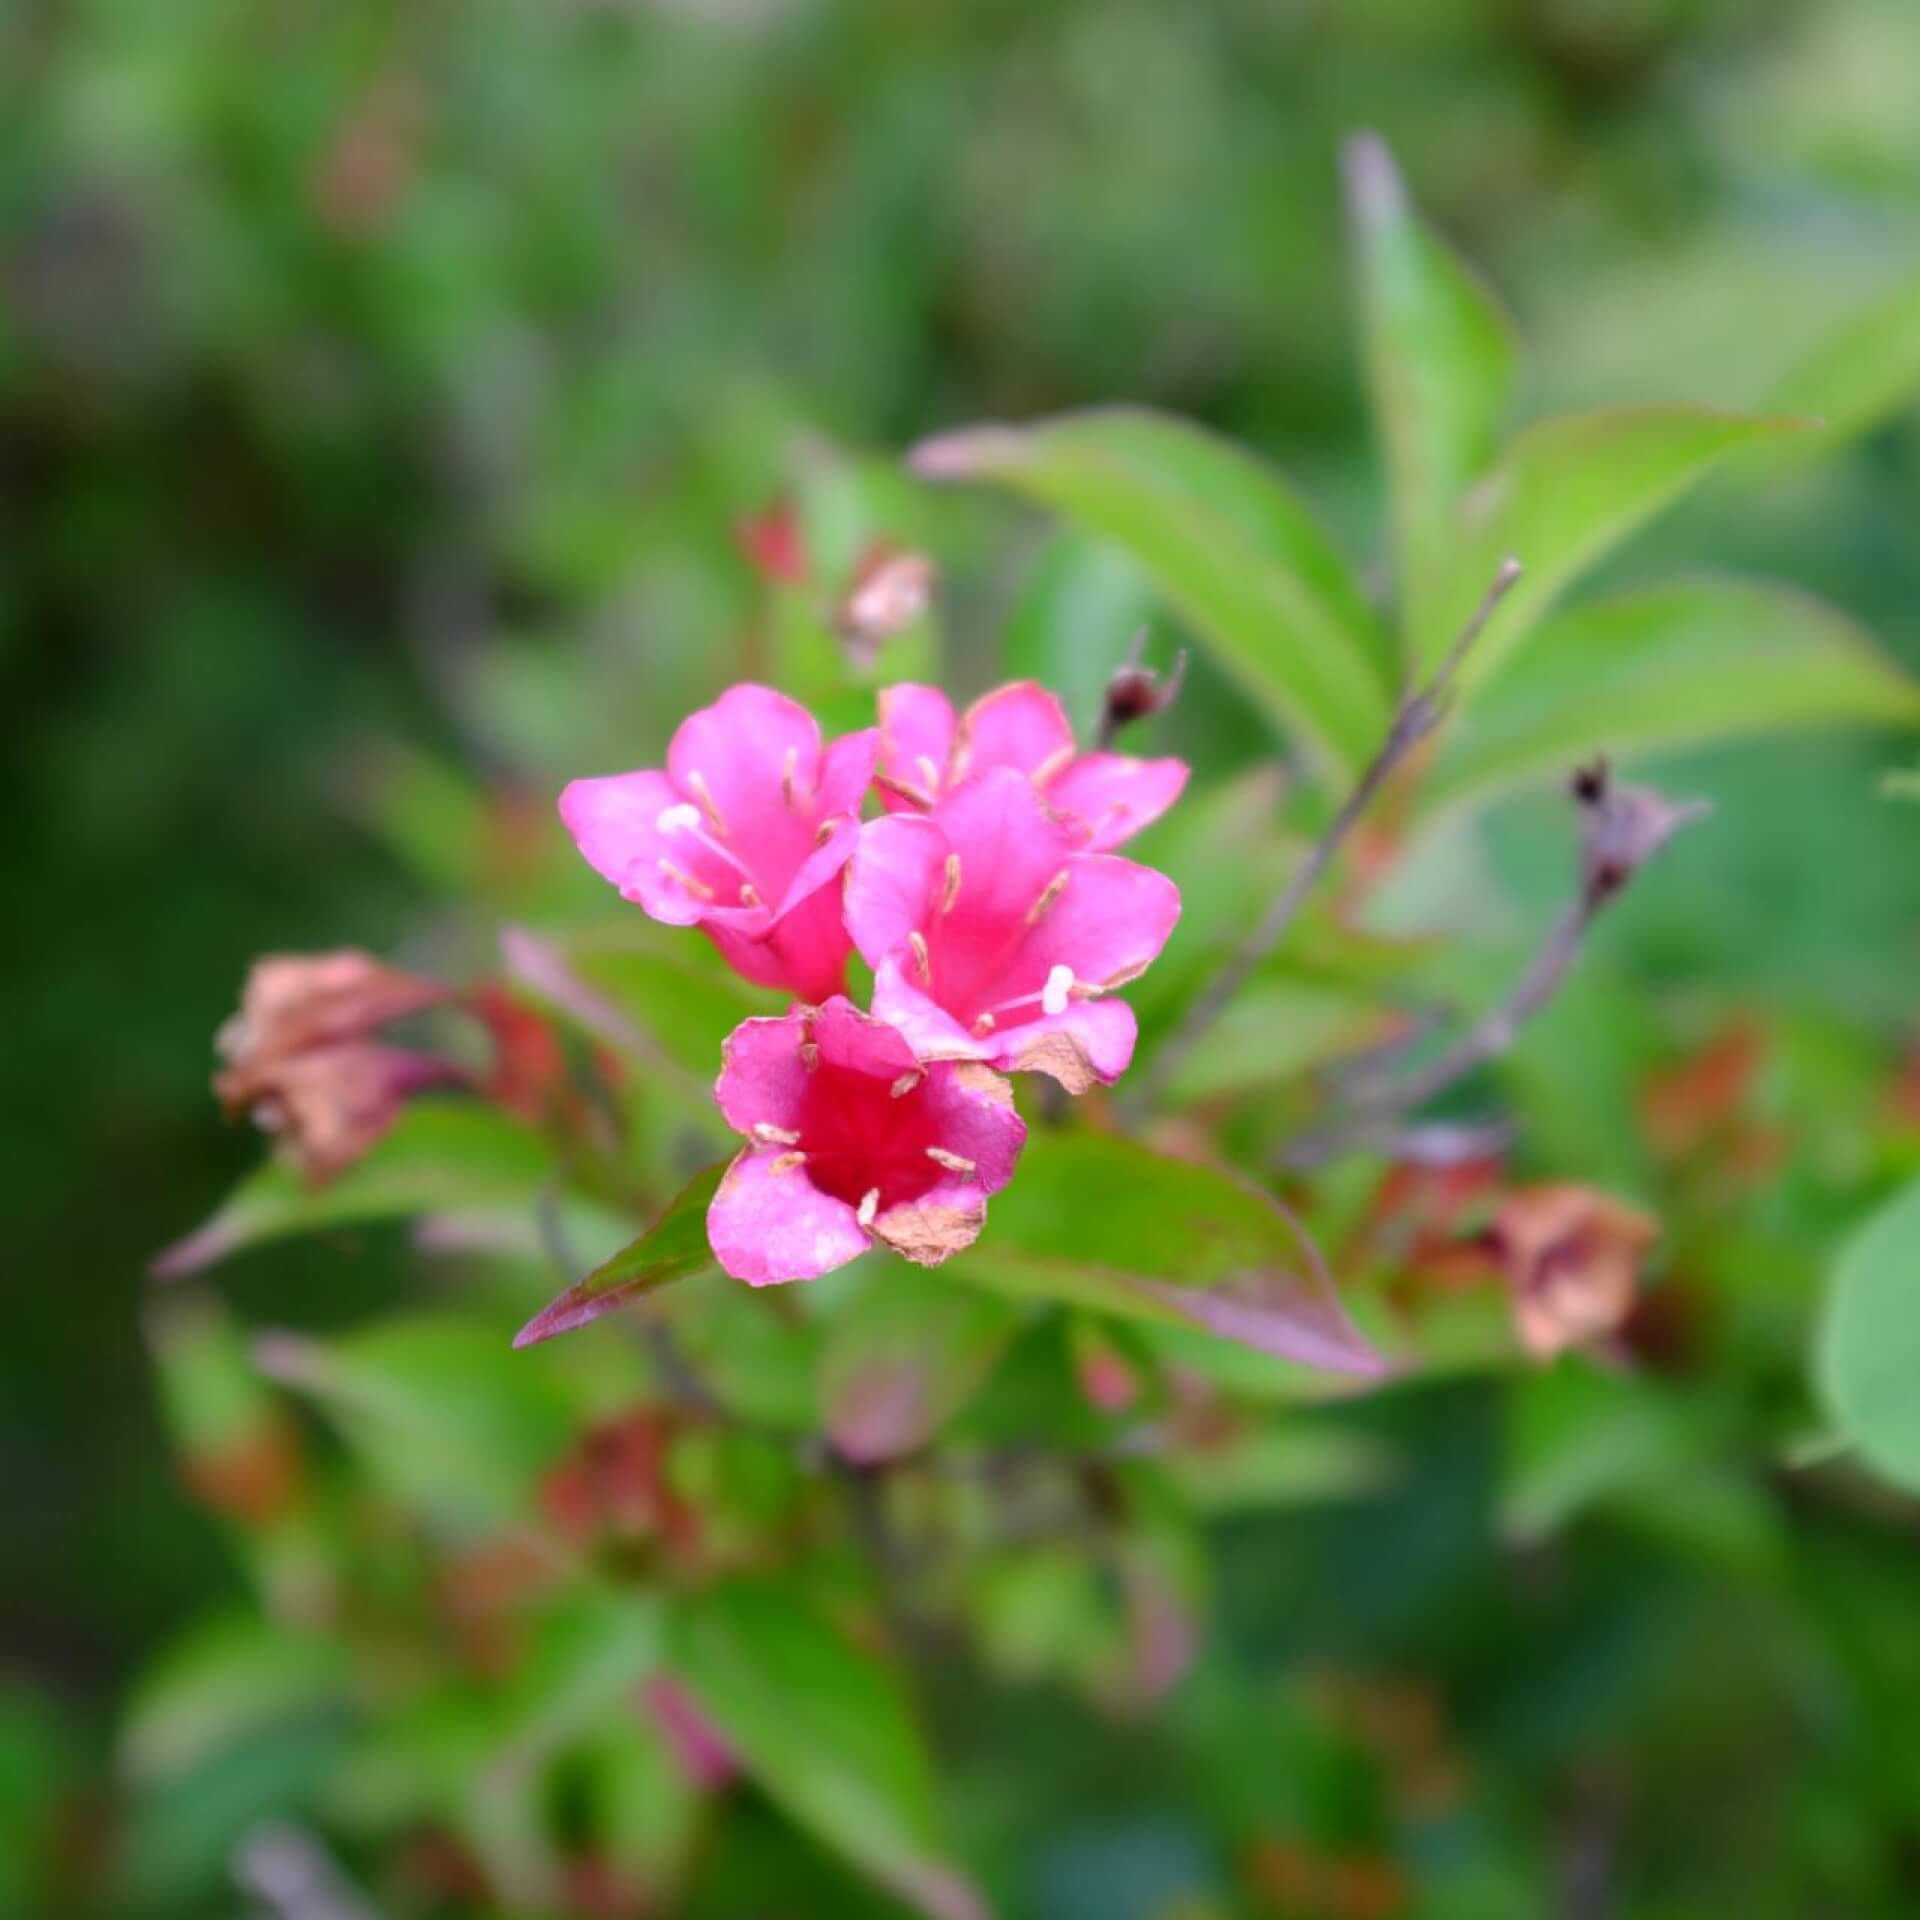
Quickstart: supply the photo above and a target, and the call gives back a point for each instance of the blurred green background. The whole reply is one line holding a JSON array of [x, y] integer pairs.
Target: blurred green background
[[383, 386]]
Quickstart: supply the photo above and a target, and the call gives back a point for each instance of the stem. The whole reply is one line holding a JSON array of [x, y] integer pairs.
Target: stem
[[1622, 828], [1419, 714]]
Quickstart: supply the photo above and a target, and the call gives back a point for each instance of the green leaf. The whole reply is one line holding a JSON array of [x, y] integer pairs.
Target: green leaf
[[589, 1650], [1672, 666], [1868, 1353], [441, 1156], [439, 1409], [906, 1353], [1228, 545], [673, 1248], [1439, 363], [1103, 1222], [1078, 608], [1864, 370], [1566, 491], [1273, 1030], [226, 1681], [824, 1731], [649, 992]]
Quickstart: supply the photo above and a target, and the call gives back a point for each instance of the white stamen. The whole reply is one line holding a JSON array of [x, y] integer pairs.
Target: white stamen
[[686, 879], [869, 1206], [1048, 895], [950, 892], [953, 1162], [678, 817], [704, 794], [786, 1162], [1053, 996], [906, 1083], [1055, 762], [922, 960], [783, 1136], [928, 772], [748, 898], [984, 1024]]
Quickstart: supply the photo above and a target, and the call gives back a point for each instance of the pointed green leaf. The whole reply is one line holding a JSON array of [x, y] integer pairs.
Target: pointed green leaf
[[229, 1677], [1868, 1352], [1439, 363], [1866, 369], [1672, 666], [907, 1352], [441, 1156], [1227, 544], [438, 1408], [1104, 1222], [1078, 609], [673, 1248], [1566, 491], [824, 1731]]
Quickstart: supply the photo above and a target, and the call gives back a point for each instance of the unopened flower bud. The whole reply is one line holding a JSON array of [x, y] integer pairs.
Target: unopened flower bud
[[1135, 692]]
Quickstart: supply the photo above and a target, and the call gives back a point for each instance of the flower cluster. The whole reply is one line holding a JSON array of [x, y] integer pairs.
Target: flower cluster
[[986, 898]]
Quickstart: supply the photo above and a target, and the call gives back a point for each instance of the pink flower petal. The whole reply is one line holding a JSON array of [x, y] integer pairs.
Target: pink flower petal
[[751, 765], [1020, 725], [614, 821], [1112, 796], [846, 772], [893, 882], [929, 1030], [858, 1043], [973, 1115], [1092, 1040], [916, 741], [1108, 923], [769, 1223], [762, 1077]]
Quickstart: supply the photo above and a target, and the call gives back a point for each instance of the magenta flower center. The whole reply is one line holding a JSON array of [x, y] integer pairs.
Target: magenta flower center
[[989, 970], [858, 1135]]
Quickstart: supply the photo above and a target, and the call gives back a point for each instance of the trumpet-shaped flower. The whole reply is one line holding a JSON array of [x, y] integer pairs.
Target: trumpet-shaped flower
[[925, 752], [852, 1142], [995, 936], [743, 835]]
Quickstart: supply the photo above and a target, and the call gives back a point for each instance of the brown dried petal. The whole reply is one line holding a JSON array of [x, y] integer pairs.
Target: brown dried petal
[[295, 1001], [331, 1104], [1572, 1258], [927, 1232], [1059, 1054]]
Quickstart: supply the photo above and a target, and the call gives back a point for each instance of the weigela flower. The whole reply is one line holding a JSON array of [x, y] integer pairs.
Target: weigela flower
[[995, 936], [853, 1142], [1572, 1258], [302, 1061], [743, 835], [925, 752]]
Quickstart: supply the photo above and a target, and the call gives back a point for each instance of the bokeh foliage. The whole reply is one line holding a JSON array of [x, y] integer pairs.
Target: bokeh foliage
[[380, 392]]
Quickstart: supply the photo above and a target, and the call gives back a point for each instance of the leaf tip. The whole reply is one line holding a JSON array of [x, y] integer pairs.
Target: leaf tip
[[960, 454], [1375, 193], [203, 1247]]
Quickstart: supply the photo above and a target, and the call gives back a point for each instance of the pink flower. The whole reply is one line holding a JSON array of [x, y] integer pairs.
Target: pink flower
[[993, 936], [853, 1141], [743, 835], [924, 753]]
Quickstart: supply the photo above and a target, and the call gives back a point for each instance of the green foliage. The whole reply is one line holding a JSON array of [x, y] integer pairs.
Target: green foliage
[[824, 1731], [404, 422], [1868, 1340]]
